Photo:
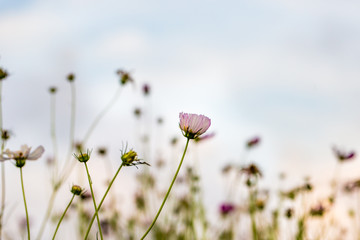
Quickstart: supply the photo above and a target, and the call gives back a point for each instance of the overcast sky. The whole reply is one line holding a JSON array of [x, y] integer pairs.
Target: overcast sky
[[287, 71]]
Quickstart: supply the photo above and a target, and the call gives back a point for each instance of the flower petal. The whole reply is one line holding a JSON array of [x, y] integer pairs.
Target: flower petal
[[36, 153]]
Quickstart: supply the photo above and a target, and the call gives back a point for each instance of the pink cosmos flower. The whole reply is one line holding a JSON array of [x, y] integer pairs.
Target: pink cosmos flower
[[193, 125], [23, 154]]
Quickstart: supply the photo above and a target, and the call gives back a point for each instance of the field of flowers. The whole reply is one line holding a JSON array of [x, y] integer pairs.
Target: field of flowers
[[248, 210]]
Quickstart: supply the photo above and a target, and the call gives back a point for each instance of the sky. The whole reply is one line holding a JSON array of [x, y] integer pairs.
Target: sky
[[286, 71]]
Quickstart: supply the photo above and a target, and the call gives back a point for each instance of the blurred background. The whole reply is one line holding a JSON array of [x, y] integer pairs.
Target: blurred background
[[285, 71]]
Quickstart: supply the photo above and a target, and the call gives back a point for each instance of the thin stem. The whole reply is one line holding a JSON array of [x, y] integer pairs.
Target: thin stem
[[48, 212], [3, 187], [101, 202], [62, 216], [168, 192], [93, 197], [101, 115], [53, 132], [26, 211], [61, 180]]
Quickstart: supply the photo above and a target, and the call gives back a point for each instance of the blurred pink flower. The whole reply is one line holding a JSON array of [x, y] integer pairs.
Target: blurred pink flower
[[23, 154], [193, 125]]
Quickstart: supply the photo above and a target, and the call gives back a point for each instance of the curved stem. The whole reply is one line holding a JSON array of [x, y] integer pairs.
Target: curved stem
[[101, 115], [101, 202], [62, 216], [26, 211], [168, 192], [93, 197]]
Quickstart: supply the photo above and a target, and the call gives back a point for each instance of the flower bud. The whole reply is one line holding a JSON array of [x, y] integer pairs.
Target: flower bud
[[76, 189], [83, 157], [129, 157], [3, 74]]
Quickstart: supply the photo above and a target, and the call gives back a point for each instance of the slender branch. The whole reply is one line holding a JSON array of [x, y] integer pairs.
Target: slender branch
[[101, 202], [62, 216], [93, 198], [26, 210], [168, 192]]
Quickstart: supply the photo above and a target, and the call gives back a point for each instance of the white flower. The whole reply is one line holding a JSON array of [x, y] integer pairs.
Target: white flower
[[22, 154], [193, 125]]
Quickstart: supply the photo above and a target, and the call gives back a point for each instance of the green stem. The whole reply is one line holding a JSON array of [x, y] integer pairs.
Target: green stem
[[62, 216], [101, 202], [57, 183], [93, 197], [48, 212], [168, 192], [26, 211]]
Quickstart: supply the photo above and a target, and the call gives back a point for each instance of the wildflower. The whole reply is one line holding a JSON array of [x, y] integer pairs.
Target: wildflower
[[193, 125], [3, 74], [343, 156], [102, 151], [289, 212], [5, 134], [77, 190], [318, 210], [146, 89], [253, 142], [124, 77], [226, 208], [137, 112], [83, 157], [70, 77], [23, 154], [130, 158], [252, 170], [160, 120], [52, 90]]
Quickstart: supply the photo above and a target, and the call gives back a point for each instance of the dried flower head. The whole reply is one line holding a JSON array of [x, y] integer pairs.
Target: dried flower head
[[83, 157], [20, 156], [5, 134], [193, 125], [343, 156], [137, 112], [124, 77], [77, 190], [52, 90], [318, 210], [70, 77], [226, 208], [146, 89], [253, 142], [3, 74]]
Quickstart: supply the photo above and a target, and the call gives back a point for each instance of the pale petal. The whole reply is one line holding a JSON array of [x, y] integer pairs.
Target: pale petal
[[36, 153]]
